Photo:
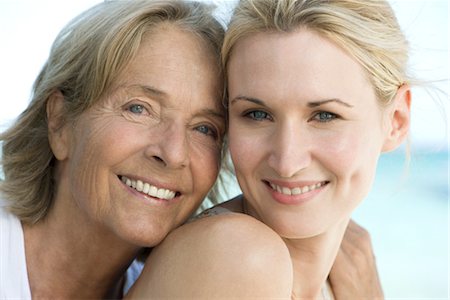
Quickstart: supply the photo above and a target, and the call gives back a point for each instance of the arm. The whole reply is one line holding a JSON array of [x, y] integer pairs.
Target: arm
[[230, 255], [354, 274]]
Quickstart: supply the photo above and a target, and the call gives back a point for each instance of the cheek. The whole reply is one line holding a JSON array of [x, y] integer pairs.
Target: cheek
[[348, 148], [338, 150], [98, 148], [205, 164], [245, 149], [105, 144], [351, 157]]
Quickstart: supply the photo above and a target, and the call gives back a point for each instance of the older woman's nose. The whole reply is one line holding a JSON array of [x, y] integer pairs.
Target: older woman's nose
[[171, 149]]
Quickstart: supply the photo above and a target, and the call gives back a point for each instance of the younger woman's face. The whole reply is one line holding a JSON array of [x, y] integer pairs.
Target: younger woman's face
[[305, 130]]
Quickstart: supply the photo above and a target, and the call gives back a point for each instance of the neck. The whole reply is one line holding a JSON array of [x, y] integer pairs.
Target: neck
[[69, 257], [312, 259]]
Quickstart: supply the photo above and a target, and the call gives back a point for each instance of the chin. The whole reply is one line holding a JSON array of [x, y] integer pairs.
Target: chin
[[294, 230], [146, 235]]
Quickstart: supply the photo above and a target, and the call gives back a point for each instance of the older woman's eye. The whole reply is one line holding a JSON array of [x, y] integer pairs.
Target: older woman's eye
[[324, 116], [207, 130], [136, 108]]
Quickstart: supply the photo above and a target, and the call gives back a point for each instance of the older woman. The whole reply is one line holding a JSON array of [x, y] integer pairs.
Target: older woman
[[119, 145], [317, 91]]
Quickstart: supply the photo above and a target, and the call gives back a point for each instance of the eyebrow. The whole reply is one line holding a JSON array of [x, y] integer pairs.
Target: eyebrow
[[310, 104], [250, 99], [213, 113], [152, 91], [322, 102]]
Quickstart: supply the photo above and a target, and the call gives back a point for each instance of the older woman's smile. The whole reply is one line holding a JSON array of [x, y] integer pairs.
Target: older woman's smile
[[149, 189]]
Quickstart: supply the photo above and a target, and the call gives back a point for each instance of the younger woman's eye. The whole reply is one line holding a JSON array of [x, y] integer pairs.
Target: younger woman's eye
[[207, 130], [324, 116], [257, 115]]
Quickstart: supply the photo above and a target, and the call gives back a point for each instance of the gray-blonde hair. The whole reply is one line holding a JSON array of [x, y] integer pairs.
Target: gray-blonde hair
[[367, 29], [86, 58]]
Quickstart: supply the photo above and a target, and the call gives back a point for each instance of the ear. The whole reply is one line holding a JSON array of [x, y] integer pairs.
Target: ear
[[57, 131], [399, 119]]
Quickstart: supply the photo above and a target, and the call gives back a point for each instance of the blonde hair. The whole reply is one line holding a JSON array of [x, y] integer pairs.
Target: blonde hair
[[86, 58], [367, 29]]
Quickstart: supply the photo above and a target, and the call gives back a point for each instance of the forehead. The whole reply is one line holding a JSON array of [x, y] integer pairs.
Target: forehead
[[177, 63], [302, 60]]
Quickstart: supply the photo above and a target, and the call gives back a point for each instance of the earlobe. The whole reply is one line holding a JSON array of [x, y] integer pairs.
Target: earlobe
[[399, 118], [57, 133]]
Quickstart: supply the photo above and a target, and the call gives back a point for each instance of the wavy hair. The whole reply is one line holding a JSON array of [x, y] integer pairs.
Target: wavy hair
[[86, 58]]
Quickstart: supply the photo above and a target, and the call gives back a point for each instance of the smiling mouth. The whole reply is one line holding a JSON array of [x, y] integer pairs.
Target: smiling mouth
[[297, 190], [148, 189]]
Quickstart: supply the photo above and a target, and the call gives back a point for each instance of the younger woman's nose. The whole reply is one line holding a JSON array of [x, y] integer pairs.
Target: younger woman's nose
[[290, 151]]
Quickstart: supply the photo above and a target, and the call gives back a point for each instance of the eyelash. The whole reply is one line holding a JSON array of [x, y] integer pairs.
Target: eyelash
[[320, 116], [252, 115], [212, 132], [129, 108], [329, 116]]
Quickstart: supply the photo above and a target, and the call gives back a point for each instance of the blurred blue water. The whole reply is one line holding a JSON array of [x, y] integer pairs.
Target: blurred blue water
[[407, 214]]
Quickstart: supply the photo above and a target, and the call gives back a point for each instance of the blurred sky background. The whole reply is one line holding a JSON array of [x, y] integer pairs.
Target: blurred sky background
[[408, 221]]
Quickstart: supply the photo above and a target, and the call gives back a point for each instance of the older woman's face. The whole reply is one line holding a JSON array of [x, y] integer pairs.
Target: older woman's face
[[305, 130], [144, 157]]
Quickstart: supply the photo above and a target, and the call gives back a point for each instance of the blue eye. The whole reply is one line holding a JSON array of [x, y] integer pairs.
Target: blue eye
[[324, 116], [207, 130], [136, 108], [258, 115]]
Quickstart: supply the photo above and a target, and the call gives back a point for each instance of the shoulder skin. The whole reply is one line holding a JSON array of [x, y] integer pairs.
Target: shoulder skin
[[225, 256]]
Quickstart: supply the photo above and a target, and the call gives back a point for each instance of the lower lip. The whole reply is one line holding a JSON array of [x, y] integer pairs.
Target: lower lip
[[295, 199], [147, 198]]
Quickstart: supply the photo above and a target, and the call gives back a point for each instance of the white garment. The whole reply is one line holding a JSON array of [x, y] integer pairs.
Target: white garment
[[13, 269], [14, 282]]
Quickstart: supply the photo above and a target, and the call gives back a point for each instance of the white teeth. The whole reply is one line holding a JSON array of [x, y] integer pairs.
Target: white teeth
[[296, 190], [149, 189], [153, 191], [146, 188], [139, 186], [286, 191], [161, 193]]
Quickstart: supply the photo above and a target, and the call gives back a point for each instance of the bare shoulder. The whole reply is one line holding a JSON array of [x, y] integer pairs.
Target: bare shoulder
[[228, 255]]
